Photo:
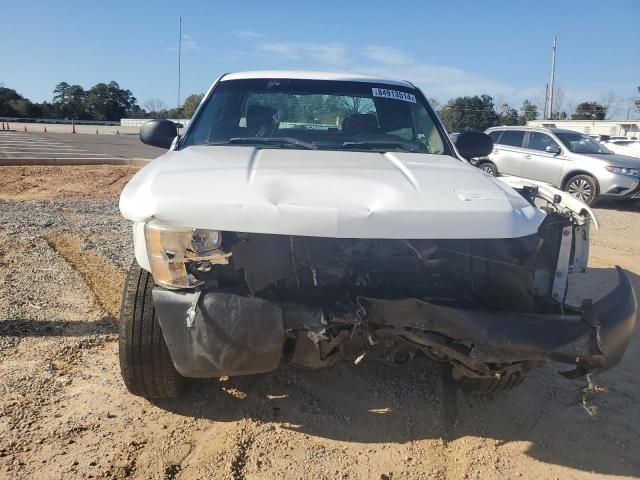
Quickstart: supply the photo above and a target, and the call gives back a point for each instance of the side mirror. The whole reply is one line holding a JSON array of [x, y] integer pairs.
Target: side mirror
[[474, 144], [552, 149], [158, 133]]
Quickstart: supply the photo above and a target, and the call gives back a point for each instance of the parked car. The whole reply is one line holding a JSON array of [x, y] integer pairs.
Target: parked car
[[257, 243], [568, 160], [630, 148]]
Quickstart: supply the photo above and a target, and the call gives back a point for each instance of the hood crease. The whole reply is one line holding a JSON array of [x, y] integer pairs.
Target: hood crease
[[402, 168]]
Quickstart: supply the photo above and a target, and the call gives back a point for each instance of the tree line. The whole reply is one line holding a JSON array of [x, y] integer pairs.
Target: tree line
[[108, 101], [103, 101], [480, 112]]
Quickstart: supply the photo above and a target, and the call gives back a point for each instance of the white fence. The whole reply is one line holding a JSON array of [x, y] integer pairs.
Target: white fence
[[137, 122]]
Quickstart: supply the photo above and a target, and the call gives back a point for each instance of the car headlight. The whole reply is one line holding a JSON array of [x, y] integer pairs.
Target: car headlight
[[172, 249], [634, 172]]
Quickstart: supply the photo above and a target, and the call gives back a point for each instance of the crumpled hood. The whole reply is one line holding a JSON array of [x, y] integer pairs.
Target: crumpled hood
[[326, 194]]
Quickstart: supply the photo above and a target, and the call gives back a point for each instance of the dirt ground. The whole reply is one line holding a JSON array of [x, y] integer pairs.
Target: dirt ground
[[65, 414], [101, 181]]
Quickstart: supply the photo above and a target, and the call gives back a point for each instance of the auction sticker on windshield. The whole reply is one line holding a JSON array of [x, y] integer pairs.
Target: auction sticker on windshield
[[395, 94]]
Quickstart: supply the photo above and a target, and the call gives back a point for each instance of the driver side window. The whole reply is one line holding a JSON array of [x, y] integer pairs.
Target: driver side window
[[540, 141], [426, 131]]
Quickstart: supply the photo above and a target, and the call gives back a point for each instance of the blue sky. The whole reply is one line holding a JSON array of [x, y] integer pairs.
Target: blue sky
[[460, 47]]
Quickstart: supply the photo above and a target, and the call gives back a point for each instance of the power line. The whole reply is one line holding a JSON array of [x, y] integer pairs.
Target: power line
[[489, 110]]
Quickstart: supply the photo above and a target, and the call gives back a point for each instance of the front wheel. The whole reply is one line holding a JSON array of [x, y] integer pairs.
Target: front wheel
[[490, 168], [584, 188], [145, 363]]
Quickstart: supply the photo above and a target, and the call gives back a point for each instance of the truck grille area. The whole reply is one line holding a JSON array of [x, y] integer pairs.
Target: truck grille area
[[496, 274]]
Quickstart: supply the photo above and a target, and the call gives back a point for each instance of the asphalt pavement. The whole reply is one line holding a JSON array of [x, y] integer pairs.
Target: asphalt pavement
[[19, 148]]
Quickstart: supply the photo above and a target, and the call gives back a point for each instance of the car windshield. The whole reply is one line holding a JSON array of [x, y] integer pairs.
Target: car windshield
[[578, 143], [319, 115]]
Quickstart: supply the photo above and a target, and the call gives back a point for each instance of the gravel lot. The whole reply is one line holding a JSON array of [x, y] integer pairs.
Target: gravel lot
[[64, 412]]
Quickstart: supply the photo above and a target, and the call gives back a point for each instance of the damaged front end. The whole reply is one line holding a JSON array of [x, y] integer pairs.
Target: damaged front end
[[486, 306]]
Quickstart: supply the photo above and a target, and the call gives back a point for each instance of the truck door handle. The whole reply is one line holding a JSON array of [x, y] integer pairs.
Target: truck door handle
[[496, 151], [528, 157]]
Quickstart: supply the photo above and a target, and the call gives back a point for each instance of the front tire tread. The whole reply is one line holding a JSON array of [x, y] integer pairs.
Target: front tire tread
[[145, 362]]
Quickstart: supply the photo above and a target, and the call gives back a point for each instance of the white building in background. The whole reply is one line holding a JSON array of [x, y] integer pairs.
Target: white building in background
[[613, 128]]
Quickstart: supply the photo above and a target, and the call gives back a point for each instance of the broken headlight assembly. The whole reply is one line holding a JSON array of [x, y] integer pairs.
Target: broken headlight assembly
[[175, 253]]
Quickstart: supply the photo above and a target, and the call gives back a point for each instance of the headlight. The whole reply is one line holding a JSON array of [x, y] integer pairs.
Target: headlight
[[171, 249], [634, 172]]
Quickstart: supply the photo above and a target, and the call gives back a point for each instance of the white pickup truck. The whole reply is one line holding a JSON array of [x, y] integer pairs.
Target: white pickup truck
[[302, 213]]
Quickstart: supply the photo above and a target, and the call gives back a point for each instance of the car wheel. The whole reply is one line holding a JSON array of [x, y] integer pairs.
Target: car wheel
[[584, 188], [489, 386], [490, 168], [145, 363]]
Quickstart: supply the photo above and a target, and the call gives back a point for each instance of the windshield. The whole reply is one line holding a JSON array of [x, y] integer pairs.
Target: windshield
[[317, 114], [578, 143]]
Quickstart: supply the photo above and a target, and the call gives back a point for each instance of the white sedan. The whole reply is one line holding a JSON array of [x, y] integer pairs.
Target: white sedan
[[630, 148]]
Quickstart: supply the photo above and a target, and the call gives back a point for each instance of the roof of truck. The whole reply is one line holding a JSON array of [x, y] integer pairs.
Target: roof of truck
[[310, 75]]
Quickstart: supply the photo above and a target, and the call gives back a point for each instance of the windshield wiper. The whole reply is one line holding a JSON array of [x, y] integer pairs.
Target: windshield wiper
[[382, 145], [270, 141]]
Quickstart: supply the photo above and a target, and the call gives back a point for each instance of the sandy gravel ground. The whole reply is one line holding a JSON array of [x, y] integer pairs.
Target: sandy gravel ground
[[65, 414], [101, 181]]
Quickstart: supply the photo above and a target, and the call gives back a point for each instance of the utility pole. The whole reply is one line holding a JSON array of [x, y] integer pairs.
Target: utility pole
[[546, 101], [553, 79], [179, 58]]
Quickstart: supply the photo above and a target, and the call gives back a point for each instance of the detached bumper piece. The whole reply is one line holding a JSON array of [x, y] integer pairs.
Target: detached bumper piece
[[594, 339], [230, 335], [238, 335]]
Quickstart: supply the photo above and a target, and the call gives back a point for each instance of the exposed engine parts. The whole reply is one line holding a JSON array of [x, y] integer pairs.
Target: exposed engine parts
[[478, 343], [489, 307]]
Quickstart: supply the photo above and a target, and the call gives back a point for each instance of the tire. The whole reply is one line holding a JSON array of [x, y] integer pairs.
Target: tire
[[490, 168], [145, 363], [489, 386], [584, 188]]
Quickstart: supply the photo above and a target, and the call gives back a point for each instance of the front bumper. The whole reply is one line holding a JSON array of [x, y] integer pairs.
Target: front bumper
[[238, 335], [621, 186]]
